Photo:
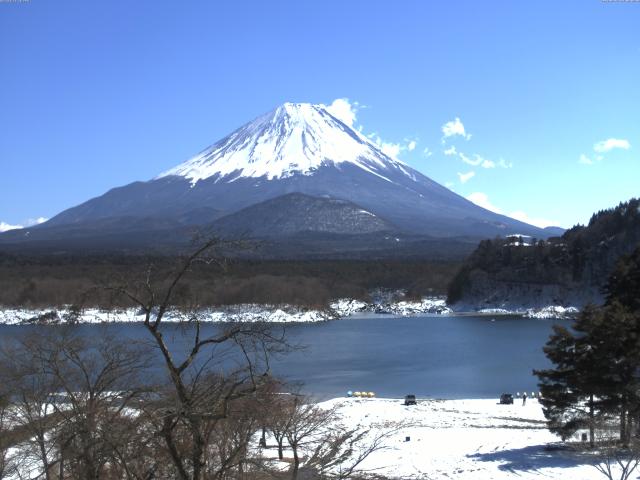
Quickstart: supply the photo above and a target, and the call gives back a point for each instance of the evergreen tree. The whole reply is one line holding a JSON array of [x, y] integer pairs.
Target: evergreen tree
[[570, 390], [596, 373], [624, 283]]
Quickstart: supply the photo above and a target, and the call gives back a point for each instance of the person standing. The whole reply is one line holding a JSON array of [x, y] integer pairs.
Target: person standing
[[524, 398]]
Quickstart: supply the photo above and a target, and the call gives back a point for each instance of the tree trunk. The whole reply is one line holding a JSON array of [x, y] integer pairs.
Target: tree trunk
[[623, 422], [198, 449], [43, 455], [591, 422], [296, 462], [280, 449]]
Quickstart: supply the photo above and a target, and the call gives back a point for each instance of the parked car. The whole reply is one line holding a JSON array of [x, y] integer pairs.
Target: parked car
[[410, 400], [506, 399]]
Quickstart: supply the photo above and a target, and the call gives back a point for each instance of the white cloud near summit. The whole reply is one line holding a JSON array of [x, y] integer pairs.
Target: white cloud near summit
[[344, 110]]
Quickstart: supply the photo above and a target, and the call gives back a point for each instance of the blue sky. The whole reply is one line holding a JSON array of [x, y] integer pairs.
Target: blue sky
[[540, 99]]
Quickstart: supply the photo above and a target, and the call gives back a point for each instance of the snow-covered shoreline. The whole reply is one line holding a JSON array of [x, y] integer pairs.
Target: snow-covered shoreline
[[464, 439], [342, 308]]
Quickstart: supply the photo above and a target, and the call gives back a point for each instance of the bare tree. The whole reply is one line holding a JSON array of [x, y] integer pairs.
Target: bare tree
[[615, 460], [5, 428], [202, 387], [71, 395], [340, 453], [321, 445], [31, 412], [306, 423]]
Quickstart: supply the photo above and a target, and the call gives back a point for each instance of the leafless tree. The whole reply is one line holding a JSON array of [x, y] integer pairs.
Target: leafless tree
[[5, 428], [202, 387], [71, 396], [341, 452], [31, 413], [615, 460], [321, 445]]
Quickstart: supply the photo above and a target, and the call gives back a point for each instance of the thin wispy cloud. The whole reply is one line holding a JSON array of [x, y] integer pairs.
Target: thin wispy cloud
[[482, 200], [393, 149], [465, 177], [602, 147], [502, 163], [427, 152], [5, 227], [480, 161], [454, 128], [538, 222], [30, 222], [611, 144], [451, 151], [585, 160]]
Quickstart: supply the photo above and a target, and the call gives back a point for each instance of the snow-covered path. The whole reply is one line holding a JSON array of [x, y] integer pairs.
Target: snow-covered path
[[465, 439]]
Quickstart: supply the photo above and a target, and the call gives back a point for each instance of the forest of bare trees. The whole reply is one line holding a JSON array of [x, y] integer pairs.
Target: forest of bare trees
[[53, 281], [84, 406]]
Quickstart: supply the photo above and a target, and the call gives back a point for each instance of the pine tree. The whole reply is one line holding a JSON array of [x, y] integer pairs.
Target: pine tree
[[596, 371], [571, 389]]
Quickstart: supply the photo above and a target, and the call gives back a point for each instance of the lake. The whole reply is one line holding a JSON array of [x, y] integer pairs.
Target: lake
[[429, 356]]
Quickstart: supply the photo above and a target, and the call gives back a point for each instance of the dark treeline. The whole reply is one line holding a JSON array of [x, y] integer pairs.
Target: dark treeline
[[49, 280], [578, 263]]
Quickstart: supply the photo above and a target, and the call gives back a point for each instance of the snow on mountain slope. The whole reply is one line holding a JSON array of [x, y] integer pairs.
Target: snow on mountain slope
[[296, 148], [293, 138]]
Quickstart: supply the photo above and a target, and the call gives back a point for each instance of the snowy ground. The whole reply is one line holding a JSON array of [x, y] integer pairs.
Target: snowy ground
[[466, 439], [237, 313], [276, 313]]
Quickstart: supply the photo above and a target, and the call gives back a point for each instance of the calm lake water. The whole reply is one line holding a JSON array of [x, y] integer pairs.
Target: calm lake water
[[430, 356]]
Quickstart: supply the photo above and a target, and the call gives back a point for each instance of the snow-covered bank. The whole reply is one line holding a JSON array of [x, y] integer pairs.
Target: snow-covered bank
[[464, 439], [428, 305], [277, 314], [550, 311], [237, 313]]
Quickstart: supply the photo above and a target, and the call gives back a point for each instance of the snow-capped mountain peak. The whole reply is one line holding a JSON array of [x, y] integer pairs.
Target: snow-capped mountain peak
[[295, 138]]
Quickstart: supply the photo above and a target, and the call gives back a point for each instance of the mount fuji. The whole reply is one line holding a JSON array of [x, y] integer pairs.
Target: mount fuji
[[298, 159]]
